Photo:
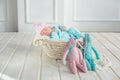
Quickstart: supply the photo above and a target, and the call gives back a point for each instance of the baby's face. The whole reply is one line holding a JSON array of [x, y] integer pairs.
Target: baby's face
[[63, 28], [46, 31]]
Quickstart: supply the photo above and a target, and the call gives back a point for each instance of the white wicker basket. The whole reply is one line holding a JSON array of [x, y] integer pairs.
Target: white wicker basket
[[51, 48]]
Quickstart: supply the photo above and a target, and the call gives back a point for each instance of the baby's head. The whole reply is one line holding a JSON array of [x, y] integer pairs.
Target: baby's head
[[43, 29], [62, 28]]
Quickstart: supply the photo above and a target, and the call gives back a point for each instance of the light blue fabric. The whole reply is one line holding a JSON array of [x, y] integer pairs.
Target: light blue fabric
[[76, 34], [63, 35], [87, 53], [54, 35]]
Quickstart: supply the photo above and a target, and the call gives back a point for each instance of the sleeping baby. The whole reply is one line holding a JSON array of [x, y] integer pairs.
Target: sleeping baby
[[57, 32]]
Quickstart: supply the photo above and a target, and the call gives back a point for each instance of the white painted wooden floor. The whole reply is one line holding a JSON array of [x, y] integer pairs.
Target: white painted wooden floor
[[20, 60]]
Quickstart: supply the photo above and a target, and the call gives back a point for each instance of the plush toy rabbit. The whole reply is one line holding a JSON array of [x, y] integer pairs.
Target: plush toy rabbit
[[74, 57], [88, 51]]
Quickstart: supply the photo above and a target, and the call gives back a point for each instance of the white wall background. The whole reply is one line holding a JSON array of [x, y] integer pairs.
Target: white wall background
[[93, 15], [86, 15], [32, 11]]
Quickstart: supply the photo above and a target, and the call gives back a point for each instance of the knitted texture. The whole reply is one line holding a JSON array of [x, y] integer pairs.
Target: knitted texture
[[53, 49]]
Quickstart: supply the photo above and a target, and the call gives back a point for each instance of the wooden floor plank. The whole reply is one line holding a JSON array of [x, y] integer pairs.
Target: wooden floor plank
[[107, 74], [115, 51], [22, 61], [17, 61], [49, 70], [90, 75], [117, 35], [65, 73], [6, 35], [112, 40], [5, 39], [7, 53], [8, 49], [1, 36], [104, 74], [33, 64]]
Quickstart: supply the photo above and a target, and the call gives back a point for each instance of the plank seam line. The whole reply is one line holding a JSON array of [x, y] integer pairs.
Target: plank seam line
[[110, 41], [110, 52], [40, 65], [116, 36], [115, 73], [1, 36], [25, 60], [98, 75], [107, 49], [115, 46], [58, 69], [7, 43], [5, 66], [78, 75]]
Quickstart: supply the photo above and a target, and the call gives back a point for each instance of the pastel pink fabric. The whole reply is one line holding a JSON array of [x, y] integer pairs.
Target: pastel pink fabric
[[39, 27], [75, 60]]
